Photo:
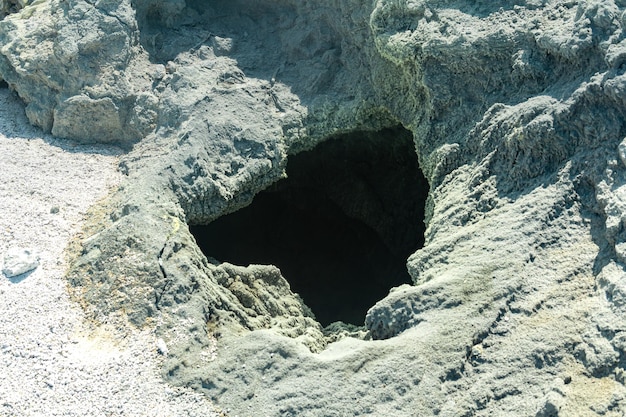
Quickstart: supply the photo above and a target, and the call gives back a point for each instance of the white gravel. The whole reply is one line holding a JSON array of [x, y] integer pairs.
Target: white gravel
[[51, 363]]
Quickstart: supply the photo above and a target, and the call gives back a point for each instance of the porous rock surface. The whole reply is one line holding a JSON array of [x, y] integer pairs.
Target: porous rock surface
[[518, 114]]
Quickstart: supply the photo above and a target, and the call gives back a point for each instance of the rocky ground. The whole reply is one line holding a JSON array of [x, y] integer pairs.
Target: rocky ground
[[517, 113], [53, 362]]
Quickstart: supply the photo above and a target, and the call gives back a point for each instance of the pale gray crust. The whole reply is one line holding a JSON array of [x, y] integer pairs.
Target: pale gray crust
[[517, 110]]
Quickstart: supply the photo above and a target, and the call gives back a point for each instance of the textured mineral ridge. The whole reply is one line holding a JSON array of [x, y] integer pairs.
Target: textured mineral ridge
[[517, 110]]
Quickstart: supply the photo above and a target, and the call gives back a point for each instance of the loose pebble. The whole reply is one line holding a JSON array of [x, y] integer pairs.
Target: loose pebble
[[18, 261]]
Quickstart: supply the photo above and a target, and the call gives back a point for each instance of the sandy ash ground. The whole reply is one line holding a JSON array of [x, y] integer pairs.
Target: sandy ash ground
[[52, 363]]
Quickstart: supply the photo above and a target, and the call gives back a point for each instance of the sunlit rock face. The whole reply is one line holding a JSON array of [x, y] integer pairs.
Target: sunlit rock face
[[515, 113]]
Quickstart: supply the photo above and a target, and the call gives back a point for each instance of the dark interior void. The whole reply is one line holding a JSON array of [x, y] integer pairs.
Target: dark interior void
[[340, 227]]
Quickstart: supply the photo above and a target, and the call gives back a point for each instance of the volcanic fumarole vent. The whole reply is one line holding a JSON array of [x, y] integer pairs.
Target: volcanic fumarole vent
[[340, 226]]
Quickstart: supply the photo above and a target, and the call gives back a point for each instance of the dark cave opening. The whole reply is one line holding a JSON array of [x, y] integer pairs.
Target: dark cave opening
[[340, 226]]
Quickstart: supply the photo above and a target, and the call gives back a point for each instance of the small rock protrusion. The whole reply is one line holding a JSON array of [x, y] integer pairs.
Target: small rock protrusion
[[553, 402], [161, 347], [621, 149]]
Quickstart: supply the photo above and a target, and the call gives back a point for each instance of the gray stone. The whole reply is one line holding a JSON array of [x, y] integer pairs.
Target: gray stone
[[18, 261], [553, 403], [622, 151], [78, 82], [162, 347]]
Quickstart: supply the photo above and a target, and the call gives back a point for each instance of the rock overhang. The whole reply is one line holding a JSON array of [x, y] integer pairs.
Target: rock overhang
[[340, 226]]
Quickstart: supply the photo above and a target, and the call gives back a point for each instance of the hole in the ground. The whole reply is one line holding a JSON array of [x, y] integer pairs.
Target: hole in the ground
[[3, 84], [340, 227]]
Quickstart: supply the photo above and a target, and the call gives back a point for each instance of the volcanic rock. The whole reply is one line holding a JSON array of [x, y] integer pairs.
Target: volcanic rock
[[517, 111]]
